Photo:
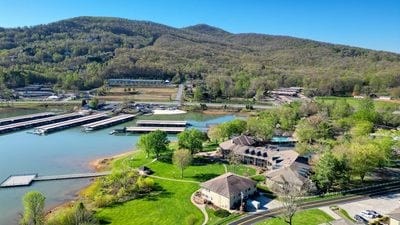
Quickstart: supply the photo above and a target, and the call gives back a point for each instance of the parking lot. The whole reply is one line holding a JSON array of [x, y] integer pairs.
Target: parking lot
[[381, 204]]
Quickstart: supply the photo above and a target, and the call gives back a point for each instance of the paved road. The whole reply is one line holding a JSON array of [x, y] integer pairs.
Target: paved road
[[258, 217], [179, 95]]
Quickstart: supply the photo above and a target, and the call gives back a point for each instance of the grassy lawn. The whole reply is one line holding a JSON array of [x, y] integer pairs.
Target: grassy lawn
[[307, 217], [379, 104], [215, 220], [172, 204]]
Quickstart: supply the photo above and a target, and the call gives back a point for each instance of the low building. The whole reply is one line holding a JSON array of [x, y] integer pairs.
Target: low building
[[135, 82], [394, 217], [297, 174], [228, 190], [385, 98]]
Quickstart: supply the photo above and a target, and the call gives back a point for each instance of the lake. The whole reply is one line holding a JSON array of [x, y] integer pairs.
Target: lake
[[68, 151]]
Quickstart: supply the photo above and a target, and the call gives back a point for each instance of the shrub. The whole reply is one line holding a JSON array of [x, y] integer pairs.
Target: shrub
[[221, 213], [191, 219]]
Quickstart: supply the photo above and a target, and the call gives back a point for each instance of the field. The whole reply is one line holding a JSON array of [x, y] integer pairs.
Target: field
[[161, 94], [307, 217], [379, 104], [172, 204]]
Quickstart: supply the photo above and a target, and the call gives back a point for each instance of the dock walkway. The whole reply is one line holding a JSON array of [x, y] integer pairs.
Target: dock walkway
[[38, 122], [171, 130], [23, 118], [161, 123], [26, 180], [108, 122], [69, 123]]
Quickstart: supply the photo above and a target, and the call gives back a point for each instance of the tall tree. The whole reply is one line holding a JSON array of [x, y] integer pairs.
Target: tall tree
[[191, 139], [154, 142], [33, 202], [182, 159]]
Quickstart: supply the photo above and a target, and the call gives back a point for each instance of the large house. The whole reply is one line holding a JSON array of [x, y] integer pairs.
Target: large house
[[282, 165], [270, 157], [228, 190]]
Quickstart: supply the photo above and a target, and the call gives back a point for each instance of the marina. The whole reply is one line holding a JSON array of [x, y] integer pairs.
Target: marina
[[108, 122], [37, 122], [69, 123], [170, 130], [162, 123], [17, 119]]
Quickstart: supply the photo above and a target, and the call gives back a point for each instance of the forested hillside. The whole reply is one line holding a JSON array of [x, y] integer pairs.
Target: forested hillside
[[79, 53]]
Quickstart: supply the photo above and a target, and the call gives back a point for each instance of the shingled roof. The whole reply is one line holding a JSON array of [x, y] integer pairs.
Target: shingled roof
[[228, 184]]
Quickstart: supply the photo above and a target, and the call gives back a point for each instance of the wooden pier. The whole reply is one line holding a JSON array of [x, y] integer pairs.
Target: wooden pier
[[108, 122], [26, 180], [17, 119], [161, 123], [37, 122], [170, 130], [68, 124]]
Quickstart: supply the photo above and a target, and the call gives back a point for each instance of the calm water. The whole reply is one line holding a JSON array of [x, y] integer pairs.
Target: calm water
[[68, 151]]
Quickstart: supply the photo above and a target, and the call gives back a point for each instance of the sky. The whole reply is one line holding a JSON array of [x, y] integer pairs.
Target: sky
[[373, 24]]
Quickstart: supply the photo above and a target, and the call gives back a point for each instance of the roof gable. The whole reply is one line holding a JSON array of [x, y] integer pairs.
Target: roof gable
[[228, 184]]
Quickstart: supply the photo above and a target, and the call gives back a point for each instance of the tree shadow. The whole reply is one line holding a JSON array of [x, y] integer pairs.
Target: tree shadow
[[166, 158], [204, 176], [157, 193]]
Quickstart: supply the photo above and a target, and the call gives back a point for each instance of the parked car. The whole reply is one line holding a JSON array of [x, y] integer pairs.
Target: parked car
[[374, 213], [367, 215], [361, 219]]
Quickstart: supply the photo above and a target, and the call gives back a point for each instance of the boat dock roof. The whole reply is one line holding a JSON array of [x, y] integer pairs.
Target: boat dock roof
[[150, 129], [69, 123], [37, 122], [18, 180], [161, 123], [17, 119], [108, 122]]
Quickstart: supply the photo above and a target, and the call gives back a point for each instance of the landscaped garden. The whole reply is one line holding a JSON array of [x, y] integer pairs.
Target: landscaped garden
[[170, 202]]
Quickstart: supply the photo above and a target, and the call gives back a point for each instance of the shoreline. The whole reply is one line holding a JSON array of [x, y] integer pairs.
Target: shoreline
[[98, 164]]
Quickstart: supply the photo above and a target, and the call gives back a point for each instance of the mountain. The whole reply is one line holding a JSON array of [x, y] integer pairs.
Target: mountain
[[81, 52]]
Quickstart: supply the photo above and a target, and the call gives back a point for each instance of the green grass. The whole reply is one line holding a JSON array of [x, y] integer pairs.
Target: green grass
[[354, 102], [307, 217], [346, 214], [171, 206], [215, 220]]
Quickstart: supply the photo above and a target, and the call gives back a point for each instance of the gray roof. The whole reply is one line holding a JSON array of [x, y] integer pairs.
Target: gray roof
[[228, 184], [297, 173], [243, 140]]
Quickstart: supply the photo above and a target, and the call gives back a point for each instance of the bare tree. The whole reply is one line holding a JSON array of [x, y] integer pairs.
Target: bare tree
[[234, 160], [182, 158], [290, 195]]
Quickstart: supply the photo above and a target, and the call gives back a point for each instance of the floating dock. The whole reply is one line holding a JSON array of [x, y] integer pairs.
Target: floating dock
[[26, 180], [18, 180], [38, 122], [108, 122], [171, 130], [68, 124], [161, 123], [17, 119]]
